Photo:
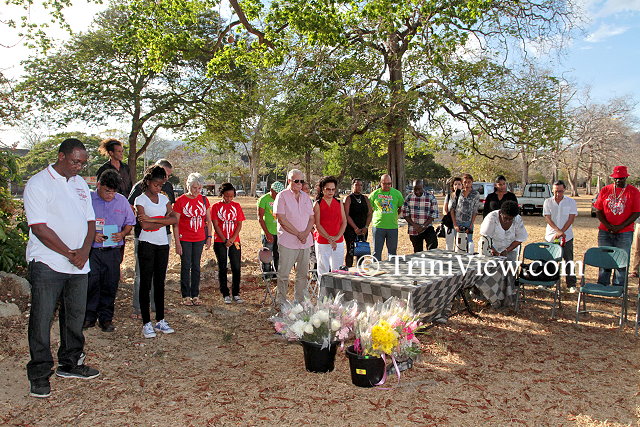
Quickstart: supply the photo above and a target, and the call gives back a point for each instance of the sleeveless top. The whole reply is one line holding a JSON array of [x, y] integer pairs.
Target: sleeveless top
[[330, 220], [357, 212]]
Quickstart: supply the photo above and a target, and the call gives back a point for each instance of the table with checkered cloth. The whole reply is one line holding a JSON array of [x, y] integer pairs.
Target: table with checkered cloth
[[429, 293]]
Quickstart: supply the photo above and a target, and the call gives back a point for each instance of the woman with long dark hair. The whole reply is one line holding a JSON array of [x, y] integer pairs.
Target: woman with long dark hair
[[227, 217], [154, 214], [330, 223], [449, 202]]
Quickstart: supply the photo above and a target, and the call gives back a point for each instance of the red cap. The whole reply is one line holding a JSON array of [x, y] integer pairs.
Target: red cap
[[619, 172]]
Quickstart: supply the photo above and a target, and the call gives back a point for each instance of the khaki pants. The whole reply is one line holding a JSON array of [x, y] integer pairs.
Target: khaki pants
[[289, 257]]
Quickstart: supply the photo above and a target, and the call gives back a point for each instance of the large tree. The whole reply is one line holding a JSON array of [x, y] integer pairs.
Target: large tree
[[98, 76], [423, 69]]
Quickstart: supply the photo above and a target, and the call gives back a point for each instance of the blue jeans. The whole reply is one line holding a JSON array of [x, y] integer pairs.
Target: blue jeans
[[47, 288], [190, 268], [618, 240], [379, 237]]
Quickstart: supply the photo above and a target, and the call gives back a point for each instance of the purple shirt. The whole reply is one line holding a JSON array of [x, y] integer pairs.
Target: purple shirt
[[116, 212], [297, 212]]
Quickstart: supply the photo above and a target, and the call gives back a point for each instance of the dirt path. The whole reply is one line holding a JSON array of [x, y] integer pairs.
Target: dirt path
[[223, 366]]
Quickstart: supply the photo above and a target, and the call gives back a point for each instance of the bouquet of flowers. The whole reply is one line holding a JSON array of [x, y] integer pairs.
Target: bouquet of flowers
[[388, 328], [326, 321]]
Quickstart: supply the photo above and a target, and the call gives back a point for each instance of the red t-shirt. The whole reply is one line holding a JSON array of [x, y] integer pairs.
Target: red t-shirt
[[193, 217], [227, 215], [618, 204], [330, 220]]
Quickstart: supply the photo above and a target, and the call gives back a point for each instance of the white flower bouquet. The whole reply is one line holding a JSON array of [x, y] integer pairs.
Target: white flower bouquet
[[327, 321]]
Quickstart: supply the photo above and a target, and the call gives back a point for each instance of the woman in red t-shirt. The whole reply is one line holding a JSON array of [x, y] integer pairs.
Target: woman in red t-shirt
[[331, 222], [227, 217], [191, 235]]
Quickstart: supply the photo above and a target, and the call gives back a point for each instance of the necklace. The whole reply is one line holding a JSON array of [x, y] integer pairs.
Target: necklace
[[358, 198], [616, 203]]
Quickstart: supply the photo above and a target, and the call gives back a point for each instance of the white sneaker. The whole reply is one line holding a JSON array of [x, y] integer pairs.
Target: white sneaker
[[227, 300], [237, 299], [164, 327], [572, 290], [147, 330]]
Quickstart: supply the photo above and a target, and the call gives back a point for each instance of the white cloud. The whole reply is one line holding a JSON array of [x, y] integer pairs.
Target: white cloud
[[605, 31], [611, 7]]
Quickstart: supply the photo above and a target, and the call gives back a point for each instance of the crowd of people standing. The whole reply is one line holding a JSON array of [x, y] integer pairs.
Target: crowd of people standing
[[77, 239]]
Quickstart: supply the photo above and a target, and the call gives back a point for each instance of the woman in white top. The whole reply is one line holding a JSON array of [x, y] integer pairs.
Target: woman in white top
[[154, 214], [449, 199], [505, 230]]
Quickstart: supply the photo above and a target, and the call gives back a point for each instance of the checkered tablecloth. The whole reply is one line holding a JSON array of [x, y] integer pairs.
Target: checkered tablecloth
[[429, 287]]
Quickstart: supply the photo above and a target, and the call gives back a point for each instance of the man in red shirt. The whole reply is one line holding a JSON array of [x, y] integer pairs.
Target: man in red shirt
[[617, 207]]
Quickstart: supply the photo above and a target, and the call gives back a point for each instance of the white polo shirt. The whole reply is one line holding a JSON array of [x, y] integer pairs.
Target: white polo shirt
[[65, 206], [559, 213]]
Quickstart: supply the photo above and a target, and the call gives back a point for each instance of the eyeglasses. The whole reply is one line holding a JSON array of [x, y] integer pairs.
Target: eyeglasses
[[330, 188], [386, 183], [298, 181]]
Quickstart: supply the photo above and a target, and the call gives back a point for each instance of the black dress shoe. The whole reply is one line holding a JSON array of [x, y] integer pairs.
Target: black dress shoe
[[88, 324], [107, 326]]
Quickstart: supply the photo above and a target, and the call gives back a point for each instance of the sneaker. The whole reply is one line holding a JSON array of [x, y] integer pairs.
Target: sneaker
[[164, 327], [237, 299], [40, 388], [147, 330], [572, 290], [227, 300], [79, 371]]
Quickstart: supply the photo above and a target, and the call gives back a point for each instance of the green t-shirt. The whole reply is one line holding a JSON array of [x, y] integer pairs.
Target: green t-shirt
[[266, 202], [385, 208]]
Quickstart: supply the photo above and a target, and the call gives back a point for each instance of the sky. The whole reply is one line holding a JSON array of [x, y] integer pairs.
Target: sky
[[604, 56]]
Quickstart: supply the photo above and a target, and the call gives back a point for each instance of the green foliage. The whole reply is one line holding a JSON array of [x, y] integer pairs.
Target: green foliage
[[45, 153], [13, 225]]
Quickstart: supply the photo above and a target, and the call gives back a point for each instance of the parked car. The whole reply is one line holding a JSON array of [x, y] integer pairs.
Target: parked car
[[240, 193], [533, 197], [484, 189]]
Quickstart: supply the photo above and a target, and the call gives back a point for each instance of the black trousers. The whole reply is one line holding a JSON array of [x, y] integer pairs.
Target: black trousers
[[103, 284], [234, 253], [428, 236], [153, 261]]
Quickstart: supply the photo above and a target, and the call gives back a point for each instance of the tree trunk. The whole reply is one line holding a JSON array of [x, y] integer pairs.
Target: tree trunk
[[397, 118], [525, 168], [589, 176], [254, 166], [307, 165]]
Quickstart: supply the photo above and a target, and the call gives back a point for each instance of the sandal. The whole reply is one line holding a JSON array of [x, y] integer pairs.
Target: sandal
[[187, 301], [196, 301]]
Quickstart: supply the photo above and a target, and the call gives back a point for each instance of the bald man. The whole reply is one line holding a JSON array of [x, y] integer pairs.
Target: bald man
[[386, 203]]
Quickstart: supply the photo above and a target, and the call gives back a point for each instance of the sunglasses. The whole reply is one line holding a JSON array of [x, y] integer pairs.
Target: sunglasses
[[298, 181]]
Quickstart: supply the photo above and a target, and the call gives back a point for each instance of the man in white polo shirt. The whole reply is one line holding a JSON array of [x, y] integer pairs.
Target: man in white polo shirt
[[294, 212], [560, 211], [61, 220]]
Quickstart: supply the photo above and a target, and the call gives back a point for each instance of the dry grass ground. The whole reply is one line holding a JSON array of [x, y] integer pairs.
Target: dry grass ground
[[223, 366]]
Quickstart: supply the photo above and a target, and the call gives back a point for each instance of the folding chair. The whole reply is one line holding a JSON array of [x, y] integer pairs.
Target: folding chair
[[541, 253], [609, 258], [268, 272]]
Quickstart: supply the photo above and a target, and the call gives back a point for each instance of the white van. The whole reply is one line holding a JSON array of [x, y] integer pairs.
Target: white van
[[484, 189]]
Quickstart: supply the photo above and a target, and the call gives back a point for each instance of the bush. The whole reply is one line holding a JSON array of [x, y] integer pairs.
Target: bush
[[14, 230]]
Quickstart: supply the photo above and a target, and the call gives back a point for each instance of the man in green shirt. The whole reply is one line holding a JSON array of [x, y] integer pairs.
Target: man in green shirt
[[269, 224], [386, 203]]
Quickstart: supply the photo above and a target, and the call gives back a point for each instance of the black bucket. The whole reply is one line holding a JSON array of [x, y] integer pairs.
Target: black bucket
[[366, 371], [317, 359]]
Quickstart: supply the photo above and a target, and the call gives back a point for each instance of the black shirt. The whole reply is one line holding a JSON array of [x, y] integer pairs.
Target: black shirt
[[124, 173], [167, 190], [492, 203]]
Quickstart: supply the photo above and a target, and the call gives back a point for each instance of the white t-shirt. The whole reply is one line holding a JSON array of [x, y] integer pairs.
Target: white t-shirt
[[501, 238], [159, 236], [559, 213], [65, 206]]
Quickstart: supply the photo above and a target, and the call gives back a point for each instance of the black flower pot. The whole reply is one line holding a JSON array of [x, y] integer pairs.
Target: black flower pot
[[366, 371], [317, 359]]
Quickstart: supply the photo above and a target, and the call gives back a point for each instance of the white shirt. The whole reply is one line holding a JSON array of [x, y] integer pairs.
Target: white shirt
[[501, 238], [65, 206], [158, 236], [559, 213]]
